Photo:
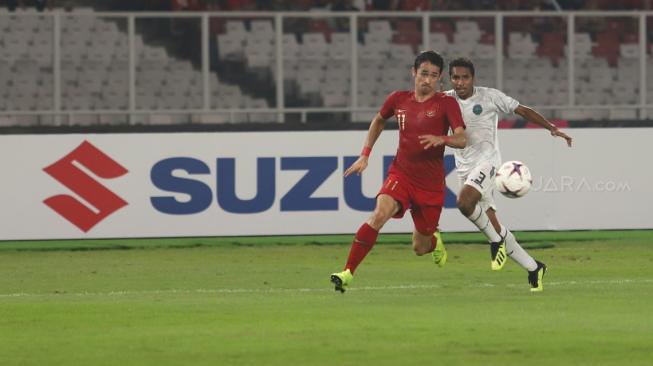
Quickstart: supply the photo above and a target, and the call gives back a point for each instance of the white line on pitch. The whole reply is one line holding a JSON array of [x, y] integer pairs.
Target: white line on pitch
[[622, 281]]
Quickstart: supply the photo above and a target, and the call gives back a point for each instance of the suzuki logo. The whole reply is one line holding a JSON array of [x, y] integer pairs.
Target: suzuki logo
[[99, 202]]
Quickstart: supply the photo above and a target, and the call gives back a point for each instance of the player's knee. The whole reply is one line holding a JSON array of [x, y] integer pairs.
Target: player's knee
[[465, 206], [378, 218]]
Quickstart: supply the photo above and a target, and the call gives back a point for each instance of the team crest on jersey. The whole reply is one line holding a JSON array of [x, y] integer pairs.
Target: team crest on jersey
[[432, 112], [477, 109]]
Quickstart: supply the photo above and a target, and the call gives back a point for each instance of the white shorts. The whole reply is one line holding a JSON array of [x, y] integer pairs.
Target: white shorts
[[482, 179]]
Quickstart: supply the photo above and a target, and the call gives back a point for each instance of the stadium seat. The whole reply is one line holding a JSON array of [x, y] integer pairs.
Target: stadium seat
[[154, 55], [146, 99], [290, 47], [15, 47], [462, 49], [624, 94], [590, 95], [484, 51], [20, 100], [230, 47], [259, 52], [235, 26], [42, 54], [521, 46], [311, 83], [313, 47], [106, 29], [340, 46], [628, 70], [373, 52], [381, 28], [92, 83], [263, 28], [172, 98], [401, 52], [438, 41], [582, 47], [467, 31], [629, 50], [24, 24]]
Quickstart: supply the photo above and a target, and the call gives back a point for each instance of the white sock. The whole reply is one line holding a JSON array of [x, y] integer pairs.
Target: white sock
[[517, 253], [482, 222]]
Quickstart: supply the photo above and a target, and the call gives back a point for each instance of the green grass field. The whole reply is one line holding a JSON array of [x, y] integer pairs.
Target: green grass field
[[267, 301]]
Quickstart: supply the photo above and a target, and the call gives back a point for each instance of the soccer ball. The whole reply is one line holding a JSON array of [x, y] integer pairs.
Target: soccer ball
[[513, 179]]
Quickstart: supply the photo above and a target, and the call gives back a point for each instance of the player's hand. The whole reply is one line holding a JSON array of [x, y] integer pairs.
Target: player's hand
[[429, 141], [358, 166], [557, 133]]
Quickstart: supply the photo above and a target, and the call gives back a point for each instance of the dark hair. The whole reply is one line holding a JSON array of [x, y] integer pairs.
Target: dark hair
[[429, 56], [461, 62]]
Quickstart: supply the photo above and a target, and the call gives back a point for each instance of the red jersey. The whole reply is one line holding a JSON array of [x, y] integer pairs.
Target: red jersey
[[434, 116]]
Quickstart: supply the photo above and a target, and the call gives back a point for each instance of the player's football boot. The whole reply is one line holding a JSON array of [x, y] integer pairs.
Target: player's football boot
[[439, 254], [498, 255], [342, 279], [535, 277]]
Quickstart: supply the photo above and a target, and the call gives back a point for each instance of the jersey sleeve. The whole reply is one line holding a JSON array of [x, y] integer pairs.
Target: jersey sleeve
[[388, 107], [505, 104], [454, 116]]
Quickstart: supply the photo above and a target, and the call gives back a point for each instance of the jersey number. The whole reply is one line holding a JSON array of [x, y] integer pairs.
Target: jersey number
[[401, 119], [480, 179]]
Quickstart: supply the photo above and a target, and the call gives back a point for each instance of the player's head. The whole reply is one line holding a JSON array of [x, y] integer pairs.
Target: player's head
[[427, 71], [461, 72]]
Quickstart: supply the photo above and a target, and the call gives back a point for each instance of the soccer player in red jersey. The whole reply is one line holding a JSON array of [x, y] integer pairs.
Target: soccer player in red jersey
[[416, 176]]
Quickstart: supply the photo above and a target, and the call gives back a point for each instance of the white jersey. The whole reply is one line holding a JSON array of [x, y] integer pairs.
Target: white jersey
[[481, 115]]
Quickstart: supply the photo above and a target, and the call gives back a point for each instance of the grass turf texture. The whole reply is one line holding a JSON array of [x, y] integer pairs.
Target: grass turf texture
[[267, 301]]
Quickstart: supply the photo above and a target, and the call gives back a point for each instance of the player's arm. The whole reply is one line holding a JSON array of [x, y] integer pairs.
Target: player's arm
[[457, 140], [373, 133], [530, 114]]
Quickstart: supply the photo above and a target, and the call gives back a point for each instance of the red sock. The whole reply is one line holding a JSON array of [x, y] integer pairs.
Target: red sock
[[363, 242]]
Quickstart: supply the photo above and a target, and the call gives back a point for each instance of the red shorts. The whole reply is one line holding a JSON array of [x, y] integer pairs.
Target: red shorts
[[425, 206]]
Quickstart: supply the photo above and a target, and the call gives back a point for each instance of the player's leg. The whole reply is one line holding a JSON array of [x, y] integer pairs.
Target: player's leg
[[426, 237], [467, 202], [423, 244], [517, 253], [365, 238], [513, 249], [439, 254], [535, 277], [479, 184]]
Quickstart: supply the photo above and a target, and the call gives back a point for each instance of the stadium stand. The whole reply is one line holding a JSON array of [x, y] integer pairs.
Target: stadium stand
[[94, 63]]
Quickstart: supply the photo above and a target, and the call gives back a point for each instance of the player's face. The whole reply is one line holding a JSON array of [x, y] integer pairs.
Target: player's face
[[462, 81], [426, 78]]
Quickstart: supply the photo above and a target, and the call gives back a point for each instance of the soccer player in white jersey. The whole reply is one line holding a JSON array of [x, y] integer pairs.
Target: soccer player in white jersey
[[476, 164]]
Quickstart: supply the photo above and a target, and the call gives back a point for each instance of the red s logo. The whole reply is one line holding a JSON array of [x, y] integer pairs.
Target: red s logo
[[101, 200]]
